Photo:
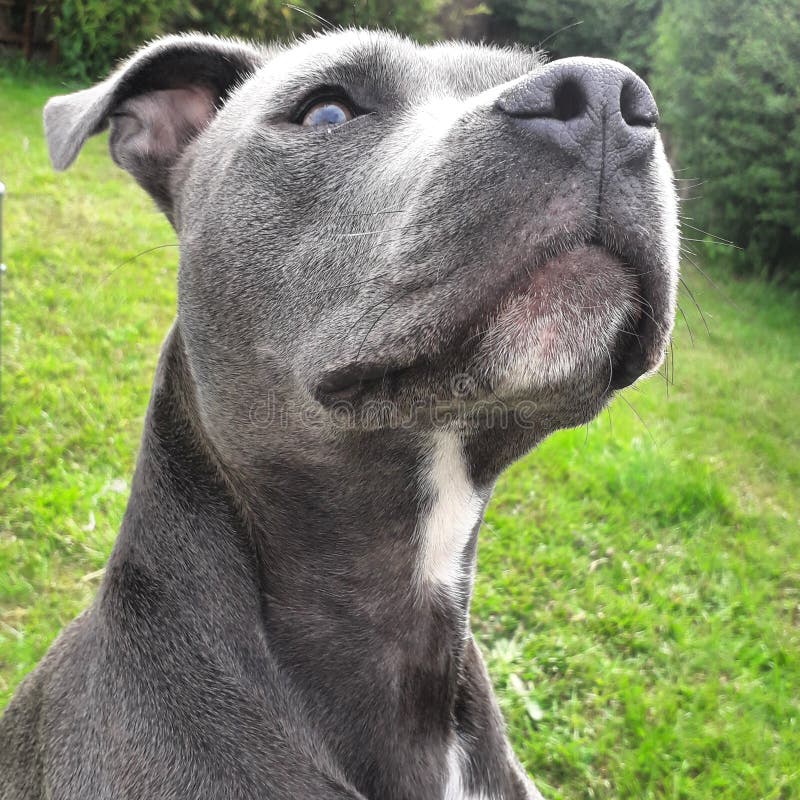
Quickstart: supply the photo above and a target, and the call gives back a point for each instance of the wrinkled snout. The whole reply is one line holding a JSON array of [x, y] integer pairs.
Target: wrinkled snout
[[592, 108]]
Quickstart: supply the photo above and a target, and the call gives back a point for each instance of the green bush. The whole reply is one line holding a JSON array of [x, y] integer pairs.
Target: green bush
[[278, 19], [727, 77], [92, 34], [250, 19], [620, 29], [413, 17]]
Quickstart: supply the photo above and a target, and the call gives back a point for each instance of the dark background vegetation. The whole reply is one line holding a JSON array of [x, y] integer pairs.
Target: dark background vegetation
[[726, 75]]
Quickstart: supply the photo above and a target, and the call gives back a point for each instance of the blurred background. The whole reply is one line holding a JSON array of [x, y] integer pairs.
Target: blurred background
[[638, 599]]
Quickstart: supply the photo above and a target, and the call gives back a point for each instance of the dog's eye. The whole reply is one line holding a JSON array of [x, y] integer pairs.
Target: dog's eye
[[326, 113]]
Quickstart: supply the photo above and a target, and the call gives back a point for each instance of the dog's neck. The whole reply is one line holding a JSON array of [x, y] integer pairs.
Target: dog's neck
[[354, 560]]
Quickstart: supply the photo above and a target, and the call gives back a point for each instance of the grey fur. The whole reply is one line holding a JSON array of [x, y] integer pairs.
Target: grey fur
[[262, 630]]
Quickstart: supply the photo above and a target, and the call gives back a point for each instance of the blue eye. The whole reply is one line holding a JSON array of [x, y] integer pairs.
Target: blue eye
[[325, 114]]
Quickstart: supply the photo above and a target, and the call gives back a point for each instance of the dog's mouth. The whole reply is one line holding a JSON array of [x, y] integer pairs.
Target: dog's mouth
[[580, 318]]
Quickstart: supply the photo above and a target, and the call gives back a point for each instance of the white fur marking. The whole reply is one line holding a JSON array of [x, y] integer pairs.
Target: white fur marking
[[455, 788], [455, 509]]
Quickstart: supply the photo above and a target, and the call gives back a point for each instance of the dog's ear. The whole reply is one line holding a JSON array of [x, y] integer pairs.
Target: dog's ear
[[156, 103]]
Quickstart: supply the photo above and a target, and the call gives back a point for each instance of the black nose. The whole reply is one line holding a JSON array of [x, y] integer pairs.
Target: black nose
[[586, 105]]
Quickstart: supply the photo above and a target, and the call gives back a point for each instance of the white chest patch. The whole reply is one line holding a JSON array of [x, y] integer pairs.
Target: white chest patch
[[456, 788], [454, 508]]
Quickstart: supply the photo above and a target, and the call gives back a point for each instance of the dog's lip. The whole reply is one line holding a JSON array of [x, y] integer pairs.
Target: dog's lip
[[352, 379], [628, 360], [346, 382]]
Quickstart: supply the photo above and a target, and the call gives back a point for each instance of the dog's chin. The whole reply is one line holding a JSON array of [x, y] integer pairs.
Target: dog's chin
[[573, 326], [559, 341]]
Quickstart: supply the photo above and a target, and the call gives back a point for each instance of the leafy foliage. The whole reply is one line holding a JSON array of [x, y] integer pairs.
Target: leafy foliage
[[278, 19], [727, 75], [91, 34], [620, 29], [251, 19], [415, 17]]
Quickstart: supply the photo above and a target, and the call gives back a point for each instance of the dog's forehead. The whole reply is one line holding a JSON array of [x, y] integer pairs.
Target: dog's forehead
[[394, 64]]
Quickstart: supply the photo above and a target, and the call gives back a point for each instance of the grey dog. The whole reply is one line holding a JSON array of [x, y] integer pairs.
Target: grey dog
[[401, 267]]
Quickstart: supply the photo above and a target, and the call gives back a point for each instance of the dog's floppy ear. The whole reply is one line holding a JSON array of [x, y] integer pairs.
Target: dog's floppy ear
[[156, 102]]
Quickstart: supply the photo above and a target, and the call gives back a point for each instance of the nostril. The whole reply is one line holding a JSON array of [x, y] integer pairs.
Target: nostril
[[586, 97], [569, 101], [637, 104]]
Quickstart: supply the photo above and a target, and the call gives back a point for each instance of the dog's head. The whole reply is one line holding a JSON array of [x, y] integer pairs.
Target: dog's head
[[362, 219]]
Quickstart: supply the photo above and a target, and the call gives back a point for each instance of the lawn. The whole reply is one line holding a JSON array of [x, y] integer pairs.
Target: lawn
[[638, 598]]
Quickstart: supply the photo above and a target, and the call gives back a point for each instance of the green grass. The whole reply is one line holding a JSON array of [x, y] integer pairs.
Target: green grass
[[639, 590]]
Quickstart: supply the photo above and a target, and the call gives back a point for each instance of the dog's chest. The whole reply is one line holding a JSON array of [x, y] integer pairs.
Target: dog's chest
[[456, 788], [452, 509]]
